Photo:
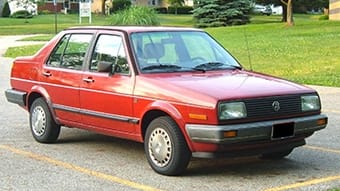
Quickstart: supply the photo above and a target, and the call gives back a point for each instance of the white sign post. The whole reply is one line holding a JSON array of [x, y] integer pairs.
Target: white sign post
[[85, 10]]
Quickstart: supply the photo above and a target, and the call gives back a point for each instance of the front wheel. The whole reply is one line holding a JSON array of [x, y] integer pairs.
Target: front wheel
[[44, 129], [165, 147]]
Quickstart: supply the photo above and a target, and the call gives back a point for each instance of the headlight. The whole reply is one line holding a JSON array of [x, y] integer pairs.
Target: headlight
[[310, 103], [232, 110]]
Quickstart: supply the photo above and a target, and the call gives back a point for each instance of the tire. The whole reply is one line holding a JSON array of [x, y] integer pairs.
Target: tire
[[276, 155], [165, 147], [44, 129]]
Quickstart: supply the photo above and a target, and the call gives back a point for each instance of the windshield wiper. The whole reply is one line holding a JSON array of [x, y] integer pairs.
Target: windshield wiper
[[170, 66], [216, 65], [161, 66]]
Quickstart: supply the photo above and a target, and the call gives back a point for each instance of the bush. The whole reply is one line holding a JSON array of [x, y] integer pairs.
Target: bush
[[324, 17], [6, 12], [141, 16], [180, 10], [22, 14], [217, 13], [161, 10], [44, 12], [118, 5]]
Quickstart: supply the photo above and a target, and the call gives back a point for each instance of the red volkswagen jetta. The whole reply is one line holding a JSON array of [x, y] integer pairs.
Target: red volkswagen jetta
[[175, 89]]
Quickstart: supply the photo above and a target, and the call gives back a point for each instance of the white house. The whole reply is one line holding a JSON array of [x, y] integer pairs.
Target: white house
[[19, 5]]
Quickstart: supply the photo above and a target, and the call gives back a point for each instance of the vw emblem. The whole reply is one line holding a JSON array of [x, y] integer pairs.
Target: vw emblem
[[276, 105]]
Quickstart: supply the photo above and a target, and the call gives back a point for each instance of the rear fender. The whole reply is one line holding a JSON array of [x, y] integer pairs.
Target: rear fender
[[38, 91]]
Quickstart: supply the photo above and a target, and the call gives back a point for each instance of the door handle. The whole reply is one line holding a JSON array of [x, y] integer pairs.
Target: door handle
[[88, 80], [47, 74]]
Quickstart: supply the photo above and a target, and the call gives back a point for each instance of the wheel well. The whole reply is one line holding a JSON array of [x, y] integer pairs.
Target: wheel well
[[33, 96], [148, 117]]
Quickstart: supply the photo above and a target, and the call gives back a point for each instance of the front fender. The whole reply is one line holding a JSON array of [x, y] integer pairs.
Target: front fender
[[173, 112]]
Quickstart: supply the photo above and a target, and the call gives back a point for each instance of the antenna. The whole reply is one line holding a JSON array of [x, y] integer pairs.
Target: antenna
[[247, 45]]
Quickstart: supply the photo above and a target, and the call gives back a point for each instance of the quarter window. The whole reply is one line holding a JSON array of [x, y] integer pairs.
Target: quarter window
[[70, 51]]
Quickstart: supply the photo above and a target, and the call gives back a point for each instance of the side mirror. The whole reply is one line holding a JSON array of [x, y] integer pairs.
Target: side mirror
[[104, 66]]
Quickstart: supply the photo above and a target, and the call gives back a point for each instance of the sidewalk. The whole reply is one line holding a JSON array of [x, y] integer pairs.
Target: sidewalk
[[12, 41]]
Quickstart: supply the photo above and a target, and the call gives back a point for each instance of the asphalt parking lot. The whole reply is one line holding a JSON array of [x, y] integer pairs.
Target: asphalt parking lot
[[83, 160]]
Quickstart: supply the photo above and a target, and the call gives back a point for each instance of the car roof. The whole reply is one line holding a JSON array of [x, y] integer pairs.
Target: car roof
[[131, 29]]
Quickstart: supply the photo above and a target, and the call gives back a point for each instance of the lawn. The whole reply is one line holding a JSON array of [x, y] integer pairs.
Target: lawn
[[306, 53]]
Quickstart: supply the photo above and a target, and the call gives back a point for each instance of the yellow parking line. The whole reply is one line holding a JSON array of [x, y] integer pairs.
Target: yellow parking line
[[323, 149], [306, 183], [78, 169], [313, 181]]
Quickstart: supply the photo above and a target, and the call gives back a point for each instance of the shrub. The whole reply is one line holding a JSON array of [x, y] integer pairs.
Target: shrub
[[44, 12], [6, 12], [180, 10], [161, 10], [216, 13], [22, 14], [118, 5], [324, 17], [141, 16]]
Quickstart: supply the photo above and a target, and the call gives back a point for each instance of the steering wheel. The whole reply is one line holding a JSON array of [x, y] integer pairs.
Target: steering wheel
[[198, 60]]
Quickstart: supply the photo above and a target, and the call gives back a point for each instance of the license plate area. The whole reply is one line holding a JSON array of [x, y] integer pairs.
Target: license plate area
[[283, 130]]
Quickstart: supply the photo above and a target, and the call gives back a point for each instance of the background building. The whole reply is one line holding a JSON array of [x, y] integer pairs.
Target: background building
[[334, 9]]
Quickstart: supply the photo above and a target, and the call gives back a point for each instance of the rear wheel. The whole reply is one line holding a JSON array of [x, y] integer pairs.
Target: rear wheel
[[165, 147], [43, 127], [276, 155]]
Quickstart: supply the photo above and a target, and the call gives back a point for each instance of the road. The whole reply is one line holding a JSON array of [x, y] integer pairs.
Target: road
[[83, 160]]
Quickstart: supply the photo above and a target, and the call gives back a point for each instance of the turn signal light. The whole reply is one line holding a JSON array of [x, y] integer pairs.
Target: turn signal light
[[198, 116], [322, 121], [229, 134]]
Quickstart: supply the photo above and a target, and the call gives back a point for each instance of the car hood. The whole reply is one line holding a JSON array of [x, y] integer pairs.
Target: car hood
[[210, 87]]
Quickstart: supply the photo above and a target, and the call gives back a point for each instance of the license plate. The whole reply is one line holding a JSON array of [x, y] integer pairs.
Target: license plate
[[283, 130]]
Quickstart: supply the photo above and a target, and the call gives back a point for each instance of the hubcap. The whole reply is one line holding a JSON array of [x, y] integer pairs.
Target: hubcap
[[38, 121], [160, 147]]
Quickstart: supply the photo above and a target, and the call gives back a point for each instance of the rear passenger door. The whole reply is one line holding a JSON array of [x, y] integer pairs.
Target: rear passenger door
[[62, 74]]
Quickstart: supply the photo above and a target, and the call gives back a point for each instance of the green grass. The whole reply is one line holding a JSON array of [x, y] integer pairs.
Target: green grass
[[45, 37], [306, 53], [22, 51], [45, 24]]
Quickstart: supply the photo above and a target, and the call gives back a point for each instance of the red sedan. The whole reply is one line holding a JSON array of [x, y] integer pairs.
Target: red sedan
[[175, 89]]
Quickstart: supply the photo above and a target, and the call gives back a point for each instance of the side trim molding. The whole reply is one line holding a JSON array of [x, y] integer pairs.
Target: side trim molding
[[97, 114]]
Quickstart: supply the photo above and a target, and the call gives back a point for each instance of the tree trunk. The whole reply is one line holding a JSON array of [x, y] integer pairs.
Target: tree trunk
[[289, 6], [284, 13], [103, 7], [290, 21]]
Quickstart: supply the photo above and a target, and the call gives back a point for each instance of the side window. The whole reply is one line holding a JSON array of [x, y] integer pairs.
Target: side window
[[56, 56], [70, 51], [109, 50]]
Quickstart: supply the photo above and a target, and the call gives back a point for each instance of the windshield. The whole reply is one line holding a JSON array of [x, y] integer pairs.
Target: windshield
[[172, 51]]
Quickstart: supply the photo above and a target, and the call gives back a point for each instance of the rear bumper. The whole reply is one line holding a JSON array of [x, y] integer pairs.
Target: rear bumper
[[15, 96]]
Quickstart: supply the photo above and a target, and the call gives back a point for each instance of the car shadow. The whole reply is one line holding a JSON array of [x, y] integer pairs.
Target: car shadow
[[246, 167]]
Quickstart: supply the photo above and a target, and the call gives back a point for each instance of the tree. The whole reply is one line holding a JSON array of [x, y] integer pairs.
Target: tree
[[176, 4], [289, 11], [215, 13], [298, 5]]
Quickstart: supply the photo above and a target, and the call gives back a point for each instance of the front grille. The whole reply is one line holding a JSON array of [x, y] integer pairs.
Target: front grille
[[263, 107]]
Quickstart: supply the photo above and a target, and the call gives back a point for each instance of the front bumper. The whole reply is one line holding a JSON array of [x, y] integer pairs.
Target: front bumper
[[257, 131]]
